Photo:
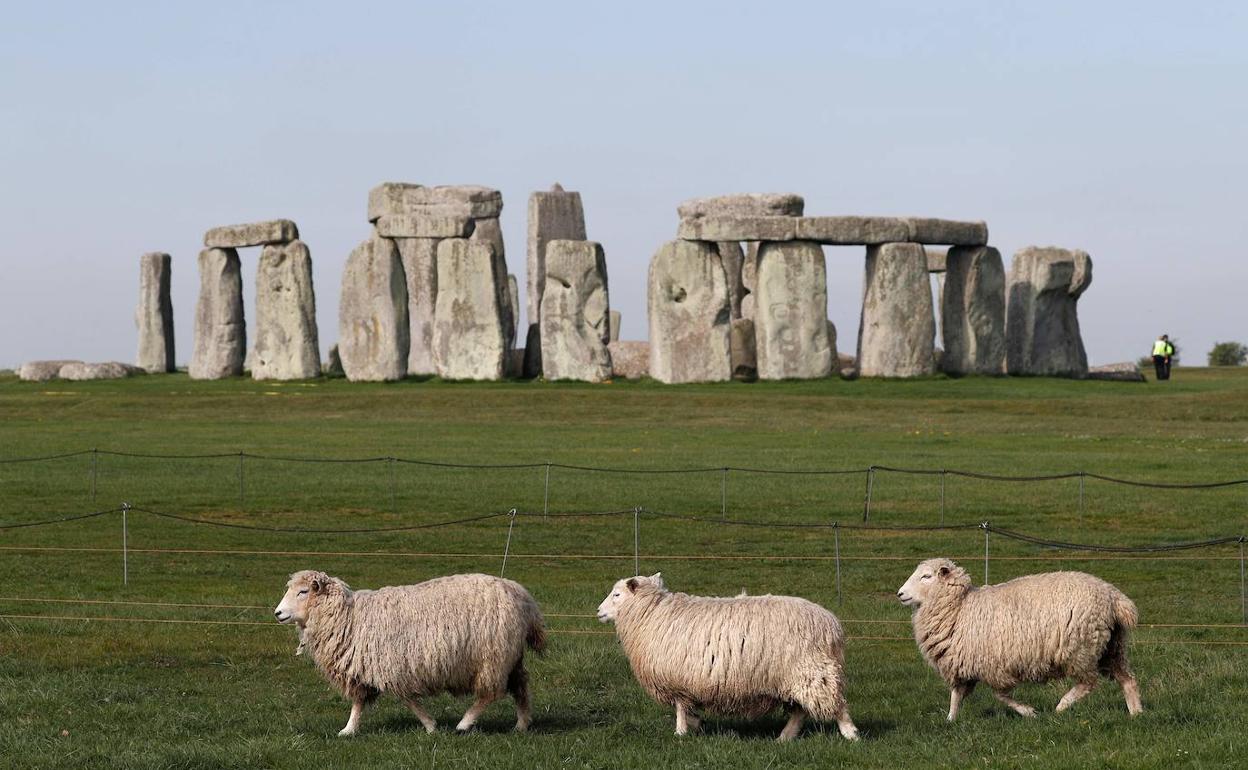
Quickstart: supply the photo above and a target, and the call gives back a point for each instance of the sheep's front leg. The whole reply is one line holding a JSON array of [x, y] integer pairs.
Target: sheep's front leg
[[846, 725], [353, 721], [1076, 694], [793, 727], [470, 716], [424, 717], [957, 694], [1021, 708], [686, 720]]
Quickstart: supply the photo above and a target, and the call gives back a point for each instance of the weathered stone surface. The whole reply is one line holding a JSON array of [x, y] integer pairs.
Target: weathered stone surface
[[424, 226], [836, 358], [972, 308], [1042, 319], [333, 365], [742, 350], [897, 326], [109, 370], [749, 279], [513, 307], [738, 228], [947, 231], [398, 198], [489, 231], [575, 325], [42, 371], [1121, 372], [468, 342], [853, 231], [629, 359], [533, 352], [154, 315], [937, 260], [252, 234], [515, 362], [220, 333], [615, 320], [744, 204], [733, 257], [553, 215], [373, 328], [420, 267], [791, 312], [286, 346], [689, 314]]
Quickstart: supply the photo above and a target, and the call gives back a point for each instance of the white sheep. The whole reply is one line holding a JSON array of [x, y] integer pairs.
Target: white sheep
[[460, 634], [743, 655], [1031, 629]]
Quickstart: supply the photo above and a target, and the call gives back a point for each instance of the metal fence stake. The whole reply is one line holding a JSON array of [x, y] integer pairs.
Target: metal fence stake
[[1081, 476], [241, 491], [394, 492], [125, 549], [637, 540], [546, 494], [942, 497], [836, 545], [511, 523], [1243, 594], [985, 528], [723, 495], [866, 503], [95, 456]]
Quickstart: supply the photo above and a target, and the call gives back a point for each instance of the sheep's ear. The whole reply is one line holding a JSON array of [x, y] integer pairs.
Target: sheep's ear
[[657, 579], [631, 584], [317, 584], [943, 571]]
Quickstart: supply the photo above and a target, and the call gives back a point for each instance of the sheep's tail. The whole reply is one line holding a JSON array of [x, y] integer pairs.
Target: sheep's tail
[[536, 636], [1125, 613]]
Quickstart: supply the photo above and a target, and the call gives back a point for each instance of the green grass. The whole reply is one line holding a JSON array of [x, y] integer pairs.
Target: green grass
[[148, 694]]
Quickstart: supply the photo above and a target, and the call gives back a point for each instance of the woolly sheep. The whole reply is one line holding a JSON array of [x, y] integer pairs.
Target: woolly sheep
[[743, 655], [460, 634], [1031, 629]]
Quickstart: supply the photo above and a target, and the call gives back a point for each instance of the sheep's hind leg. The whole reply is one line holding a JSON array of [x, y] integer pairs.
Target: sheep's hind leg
[[846, 725], [1021, 708], [353, 721], [957, 694], [686, 719], [1130, 691], [470, 716], [424, 717], [793, 727], [518, 686], [1075, 694]]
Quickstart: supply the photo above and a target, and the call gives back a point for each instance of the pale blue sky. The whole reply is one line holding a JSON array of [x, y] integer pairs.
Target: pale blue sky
[[131, 127]]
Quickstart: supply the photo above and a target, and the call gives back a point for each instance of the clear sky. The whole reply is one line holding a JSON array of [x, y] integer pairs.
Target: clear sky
[[1118, 128]]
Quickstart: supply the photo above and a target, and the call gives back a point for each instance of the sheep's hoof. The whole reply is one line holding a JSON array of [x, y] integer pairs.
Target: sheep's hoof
[[1027, 711], [346, 732], [850, 735]]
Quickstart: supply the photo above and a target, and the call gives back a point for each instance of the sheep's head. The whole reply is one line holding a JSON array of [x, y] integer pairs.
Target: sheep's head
[[301, 591], [933, 578], [623, 591]]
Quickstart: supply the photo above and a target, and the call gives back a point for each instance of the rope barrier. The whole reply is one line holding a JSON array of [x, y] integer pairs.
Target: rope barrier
[[61, 520], [1111, 548], [602, 469], [307, 530]]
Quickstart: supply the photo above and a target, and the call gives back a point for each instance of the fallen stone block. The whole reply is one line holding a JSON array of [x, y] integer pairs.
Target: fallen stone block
[[42, 371], [629, 359], [109, 370], [1121, 372], [252, 234]]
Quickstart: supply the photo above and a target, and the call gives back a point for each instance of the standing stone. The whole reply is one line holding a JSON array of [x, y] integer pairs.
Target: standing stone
[[836, 358], [513, 306], [791, 312], [733, 257], [286, 346], [689, 314], [749, 279], [373, 328], [468, 342], [420, 266], [220, 333], [489, 231], [154, 316], [897, 326], [743, 350], [615, 319], [1042, 319], [972, 309], [575, 325], [553, 215], [333, 366]]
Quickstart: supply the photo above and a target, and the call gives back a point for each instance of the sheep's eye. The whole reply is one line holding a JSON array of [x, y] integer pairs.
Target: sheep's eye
[[927, 577], [304, 591], [616, 594]]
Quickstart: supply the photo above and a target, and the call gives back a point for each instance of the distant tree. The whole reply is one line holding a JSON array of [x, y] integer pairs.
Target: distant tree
[[1228, 354]]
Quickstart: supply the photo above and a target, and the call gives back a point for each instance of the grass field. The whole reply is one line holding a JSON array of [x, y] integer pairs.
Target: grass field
[[137, 691]]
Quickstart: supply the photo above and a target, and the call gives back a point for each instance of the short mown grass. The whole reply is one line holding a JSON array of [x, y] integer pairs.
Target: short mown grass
[[134, 691]]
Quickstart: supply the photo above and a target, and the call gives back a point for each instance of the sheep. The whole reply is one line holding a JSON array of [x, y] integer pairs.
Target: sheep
[[743, 655], [1031, 629], [460, 634]]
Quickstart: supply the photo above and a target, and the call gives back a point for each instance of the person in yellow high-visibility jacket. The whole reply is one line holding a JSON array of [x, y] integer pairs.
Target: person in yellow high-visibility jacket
[[1162, 351]]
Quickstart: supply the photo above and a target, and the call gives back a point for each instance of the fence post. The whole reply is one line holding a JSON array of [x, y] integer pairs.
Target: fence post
[[241, 492], [836, 546], [394, 494], [723, 494], [1243, 594], [511, 523], [125, 551], [95, 455], [546, 494], [866, 503], [1081, 476], [637, 540], [942, 497], [984, 526]]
